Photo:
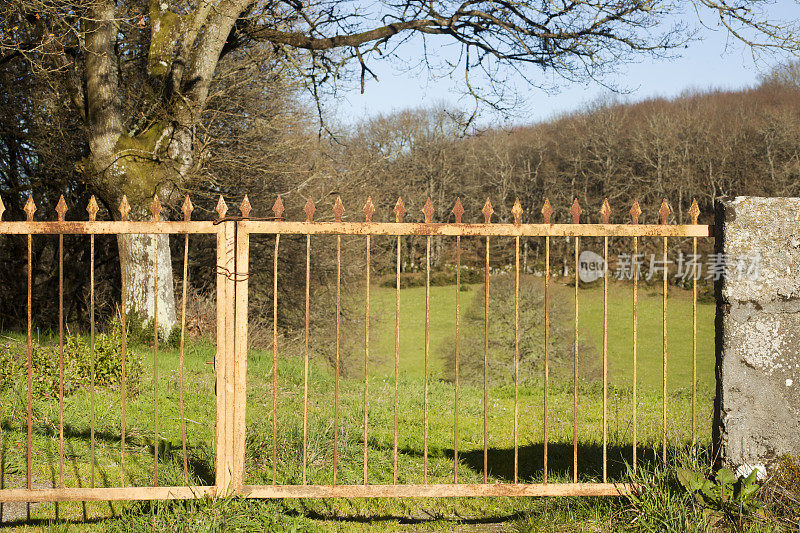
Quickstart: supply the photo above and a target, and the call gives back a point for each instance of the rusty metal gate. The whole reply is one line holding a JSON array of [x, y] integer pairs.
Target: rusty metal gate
[[233, 270]]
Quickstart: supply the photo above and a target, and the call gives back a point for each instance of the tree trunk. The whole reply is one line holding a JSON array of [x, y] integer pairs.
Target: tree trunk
[[140, 294]]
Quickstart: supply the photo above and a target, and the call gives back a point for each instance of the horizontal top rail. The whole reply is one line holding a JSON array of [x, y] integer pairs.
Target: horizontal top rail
[[478, 230], [106, 227], [278, 225]]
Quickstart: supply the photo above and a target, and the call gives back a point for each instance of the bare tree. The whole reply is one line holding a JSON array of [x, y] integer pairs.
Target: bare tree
[[141, 75]]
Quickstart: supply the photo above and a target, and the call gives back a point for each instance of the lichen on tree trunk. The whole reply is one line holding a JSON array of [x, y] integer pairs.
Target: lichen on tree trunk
[[140, 283]]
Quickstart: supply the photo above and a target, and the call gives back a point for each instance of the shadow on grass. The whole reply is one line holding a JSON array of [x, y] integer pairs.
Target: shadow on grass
[[199, 468]]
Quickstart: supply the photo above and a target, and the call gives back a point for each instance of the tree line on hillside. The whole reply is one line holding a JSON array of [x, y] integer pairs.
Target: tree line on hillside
[[701, 145]]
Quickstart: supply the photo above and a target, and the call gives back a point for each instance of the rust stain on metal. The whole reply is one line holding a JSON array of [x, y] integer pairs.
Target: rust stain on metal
[[605, 211], [277, 208], [187, 213], [487, 211], [458, 211], [575, 211], [187, 209], [369, 209], [61, 208], [221, 208], [396, 352], [245, 208], [338, 341], [547, 211], [694, 211], [399, 211], [635, 212], [427, 210], [30, 208], [155, 208], [517, 212], [309, 210], [92, 208], [124, 208], [457, 350], [664, 211], [338, 209], [546, 417]]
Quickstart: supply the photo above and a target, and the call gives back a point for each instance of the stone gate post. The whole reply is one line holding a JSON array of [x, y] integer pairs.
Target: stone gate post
[[758, 331]]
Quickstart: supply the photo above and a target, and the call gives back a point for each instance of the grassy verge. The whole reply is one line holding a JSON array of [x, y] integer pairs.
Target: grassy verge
[[662, 505]]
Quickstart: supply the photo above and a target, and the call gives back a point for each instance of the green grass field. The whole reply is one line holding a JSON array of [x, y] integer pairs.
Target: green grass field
[[620, 330], [370, 514]]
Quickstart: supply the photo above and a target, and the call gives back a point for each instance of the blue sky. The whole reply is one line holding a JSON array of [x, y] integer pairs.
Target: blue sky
[[715, 61]]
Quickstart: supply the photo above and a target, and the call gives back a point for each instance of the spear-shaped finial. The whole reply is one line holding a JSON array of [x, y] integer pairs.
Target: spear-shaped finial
[[547, 211], [155, 208], [694, 211], [575, 211], [458, 210], [277, 208], [338, 209], [635, 212], [664, 211], [245, 207], [61, 208], [369, 209], [93, 208], [487, 211], [124, 208], [2, 209], [309, 210], [187, 209], [222, 207], [427, 210], [29, 208], [605, 211], [399, 210], [517, 212]]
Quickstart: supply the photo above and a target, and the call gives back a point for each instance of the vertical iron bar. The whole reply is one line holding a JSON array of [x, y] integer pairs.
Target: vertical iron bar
[[305, 360], [338, 335], [486, 367], [155, 359], [516, 360], [124, 317], [664, 384], [92, 352], [180, 357], [366, 363], [61, 360], [546, 347], [694, 349], [605, 360], [427, 350], [275, 360], [575, 376], [396, 359], [458, 356], [635, 364], [30, 367]]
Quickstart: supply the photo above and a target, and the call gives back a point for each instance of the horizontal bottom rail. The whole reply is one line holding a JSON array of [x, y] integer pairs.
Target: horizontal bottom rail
[[436, 491], [316, 491], [84, 494]]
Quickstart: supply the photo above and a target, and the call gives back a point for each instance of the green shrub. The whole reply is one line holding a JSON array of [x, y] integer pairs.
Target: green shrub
[[45, 379]]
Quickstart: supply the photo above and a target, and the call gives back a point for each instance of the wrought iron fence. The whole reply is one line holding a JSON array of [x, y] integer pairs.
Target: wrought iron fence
[[233, 273]]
